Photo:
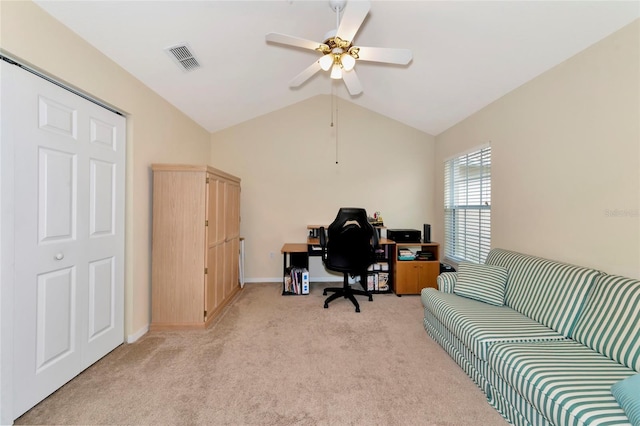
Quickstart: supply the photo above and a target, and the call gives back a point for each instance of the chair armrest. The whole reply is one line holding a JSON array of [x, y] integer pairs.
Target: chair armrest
[[447, 281], [375, 241]]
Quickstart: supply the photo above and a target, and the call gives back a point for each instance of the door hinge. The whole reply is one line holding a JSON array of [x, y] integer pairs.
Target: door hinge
[[206, 223], [205, 314], [206, 271], [207, 180]]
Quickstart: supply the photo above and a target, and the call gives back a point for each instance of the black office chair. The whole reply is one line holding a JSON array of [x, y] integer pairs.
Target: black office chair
[[349, 247]]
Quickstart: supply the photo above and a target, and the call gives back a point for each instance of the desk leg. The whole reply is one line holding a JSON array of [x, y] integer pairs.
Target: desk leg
[[284, 268]]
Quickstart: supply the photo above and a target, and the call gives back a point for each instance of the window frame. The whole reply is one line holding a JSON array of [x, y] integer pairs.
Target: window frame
[[467, 205]]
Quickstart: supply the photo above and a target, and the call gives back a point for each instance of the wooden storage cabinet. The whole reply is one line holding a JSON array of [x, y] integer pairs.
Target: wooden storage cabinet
[[196, 234], [411, 276]]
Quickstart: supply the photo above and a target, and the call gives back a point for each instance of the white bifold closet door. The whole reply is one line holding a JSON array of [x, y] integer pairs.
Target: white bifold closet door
[[68, 216]]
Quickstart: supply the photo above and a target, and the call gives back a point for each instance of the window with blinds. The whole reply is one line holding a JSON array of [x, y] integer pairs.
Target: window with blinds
[[467, 206]]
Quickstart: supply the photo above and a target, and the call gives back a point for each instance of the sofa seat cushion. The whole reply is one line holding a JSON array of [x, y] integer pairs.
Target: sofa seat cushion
[[568, 383], [550, 292], [458, 351], [478, 324], [610, 320]]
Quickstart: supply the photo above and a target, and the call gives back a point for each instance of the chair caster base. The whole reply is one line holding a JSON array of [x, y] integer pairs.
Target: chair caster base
[[345, 292]]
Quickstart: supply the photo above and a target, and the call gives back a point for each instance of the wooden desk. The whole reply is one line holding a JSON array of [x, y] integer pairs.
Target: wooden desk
[[294, 248], [297, 254]]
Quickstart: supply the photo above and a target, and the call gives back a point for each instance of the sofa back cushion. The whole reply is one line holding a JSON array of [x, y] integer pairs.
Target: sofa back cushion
[[610, 320], [550, 292]]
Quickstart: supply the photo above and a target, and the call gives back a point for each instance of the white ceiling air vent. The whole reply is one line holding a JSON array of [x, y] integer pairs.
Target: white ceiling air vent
[[181, 55]]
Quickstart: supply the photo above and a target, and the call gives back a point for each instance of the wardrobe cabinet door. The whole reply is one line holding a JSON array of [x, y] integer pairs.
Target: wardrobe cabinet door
[[213, 296]]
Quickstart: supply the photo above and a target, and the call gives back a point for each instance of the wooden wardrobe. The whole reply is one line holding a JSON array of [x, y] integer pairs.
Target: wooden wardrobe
[[196, 237]]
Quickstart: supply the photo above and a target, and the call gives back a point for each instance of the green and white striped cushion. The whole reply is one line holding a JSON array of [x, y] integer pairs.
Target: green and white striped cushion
[[478, 325], [610, 320], [481, 282], [516, 409], [568, 383], [457, 350], [547, 291]]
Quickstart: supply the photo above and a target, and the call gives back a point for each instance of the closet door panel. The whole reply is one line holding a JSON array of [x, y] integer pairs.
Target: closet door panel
[[67, 217]]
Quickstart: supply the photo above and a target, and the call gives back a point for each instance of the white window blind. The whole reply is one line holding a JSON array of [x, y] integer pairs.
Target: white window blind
[[467, 206]]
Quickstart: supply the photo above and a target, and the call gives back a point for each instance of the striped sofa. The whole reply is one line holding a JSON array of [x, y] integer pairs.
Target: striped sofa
[[544, 340]]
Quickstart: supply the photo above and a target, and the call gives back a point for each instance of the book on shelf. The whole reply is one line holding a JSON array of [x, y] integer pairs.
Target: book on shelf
[[372, 284], [295, 281], [405, 254], [377, 281], [425, 255], [383, 281]]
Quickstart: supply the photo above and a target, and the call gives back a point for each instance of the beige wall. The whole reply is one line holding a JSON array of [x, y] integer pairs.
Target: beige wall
[[565, 159], [156, 131], [290, 179]]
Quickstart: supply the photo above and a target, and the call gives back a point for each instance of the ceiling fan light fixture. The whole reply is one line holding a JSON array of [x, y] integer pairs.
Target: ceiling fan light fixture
[[338, 52], [326, 61], [336, 72], [347, 61]]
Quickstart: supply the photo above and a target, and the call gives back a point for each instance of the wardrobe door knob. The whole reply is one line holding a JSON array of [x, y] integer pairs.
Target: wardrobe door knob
[[59, 256]]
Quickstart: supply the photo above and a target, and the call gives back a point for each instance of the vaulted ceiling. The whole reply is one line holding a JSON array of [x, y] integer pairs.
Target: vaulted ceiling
[[465, 54]]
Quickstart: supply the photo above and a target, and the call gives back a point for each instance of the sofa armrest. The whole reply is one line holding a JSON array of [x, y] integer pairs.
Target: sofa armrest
[[447, 281]]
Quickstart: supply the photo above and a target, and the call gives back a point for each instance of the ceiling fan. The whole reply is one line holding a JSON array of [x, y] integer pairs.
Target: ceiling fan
[[338, 51]]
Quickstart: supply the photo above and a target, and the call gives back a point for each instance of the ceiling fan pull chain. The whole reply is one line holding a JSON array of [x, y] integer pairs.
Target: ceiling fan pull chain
[[332, 94], [336, 120]]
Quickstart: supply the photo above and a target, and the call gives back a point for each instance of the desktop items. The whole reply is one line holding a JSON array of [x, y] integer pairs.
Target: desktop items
[[376, 219], [404, 235], [426, 233]]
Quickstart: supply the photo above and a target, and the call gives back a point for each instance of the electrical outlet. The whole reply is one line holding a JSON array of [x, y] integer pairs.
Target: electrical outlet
[[271, 255]]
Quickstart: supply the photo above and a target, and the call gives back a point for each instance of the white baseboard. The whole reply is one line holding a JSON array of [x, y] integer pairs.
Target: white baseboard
[[138, 334], [263, 280], [279, 280]]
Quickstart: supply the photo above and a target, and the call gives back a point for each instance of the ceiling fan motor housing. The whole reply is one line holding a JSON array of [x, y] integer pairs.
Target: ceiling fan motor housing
[[337, 5]]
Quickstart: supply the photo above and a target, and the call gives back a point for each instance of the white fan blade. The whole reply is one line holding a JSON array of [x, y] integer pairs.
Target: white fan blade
[[354, 14], [305, 75], [352, 82], [294, 41], [383, 54]]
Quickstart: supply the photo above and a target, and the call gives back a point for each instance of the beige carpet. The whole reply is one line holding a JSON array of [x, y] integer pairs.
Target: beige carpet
[[279, 360]]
